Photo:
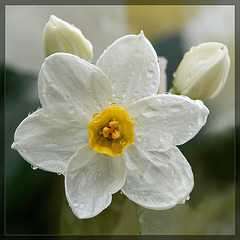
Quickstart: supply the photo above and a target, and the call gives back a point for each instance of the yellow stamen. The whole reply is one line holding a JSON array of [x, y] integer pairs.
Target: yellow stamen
[[113, 124], [115, 134], [106, 131]]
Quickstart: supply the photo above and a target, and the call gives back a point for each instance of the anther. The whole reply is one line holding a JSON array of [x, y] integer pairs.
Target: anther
[[113, 124], [115, 134], [106, 131]]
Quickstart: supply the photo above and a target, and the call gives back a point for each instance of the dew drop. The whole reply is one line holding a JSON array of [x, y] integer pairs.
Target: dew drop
[[75, 204], [135, 94], [176, 180], [145, 143], [199, 103], [14, 145], [82, 205], [152, 149], [186, 97], [191, 133], [58, 174], [73, 121], [114, 85], [121, 192], [183, 201], [122, 142], [30, 113], [188, 78], [188, 197], [72, 110], [50, 145], [33, 167], [75, 141], [98, 172], [96, 115], [84, 110], [86, 107], [139, 138]]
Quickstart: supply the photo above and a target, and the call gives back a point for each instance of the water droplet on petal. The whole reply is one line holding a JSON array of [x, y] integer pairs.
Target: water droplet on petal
[[14, 145], [188, 78], [199, 103], [30, 113], [86, 108], [145, 143], [176, 180], [75, 204], [121, 192], [82, 205], [33, 167], [58, 173], [72, 110], [186, 97]]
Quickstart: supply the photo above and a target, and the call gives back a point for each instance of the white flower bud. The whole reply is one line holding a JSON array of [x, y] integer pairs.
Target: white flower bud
[[203, 71], [60, 36]]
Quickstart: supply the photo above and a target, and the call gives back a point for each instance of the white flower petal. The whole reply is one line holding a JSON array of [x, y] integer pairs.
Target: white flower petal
[[90, 181], [72, 88], [157, 180], [46, 143], [131, 64], [165, 120]]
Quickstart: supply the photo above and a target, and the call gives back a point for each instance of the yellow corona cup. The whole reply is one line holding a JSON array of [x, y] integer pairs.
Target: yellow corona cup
[[203, 71], [60, 36], [111, 131]]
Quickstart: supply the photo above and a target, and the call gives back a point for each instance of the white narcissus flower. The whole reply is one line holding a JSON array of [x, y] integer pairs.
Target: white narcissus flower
[[61, 36], [105, 129], [203, 71]]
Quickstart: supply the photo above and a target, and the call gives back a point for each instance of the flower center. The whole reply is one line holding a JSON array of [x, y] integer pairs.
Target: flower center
[[111, 131]]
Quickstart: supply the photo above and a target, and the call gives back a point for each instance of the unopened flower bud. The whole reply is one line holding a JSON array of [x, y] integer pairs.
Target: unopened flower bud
[[60, 36], [203, 71]]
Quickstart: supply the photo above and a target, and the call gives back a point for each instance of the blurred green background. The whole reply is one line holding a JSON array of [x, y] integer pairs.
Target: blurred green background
[[35, 201]]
